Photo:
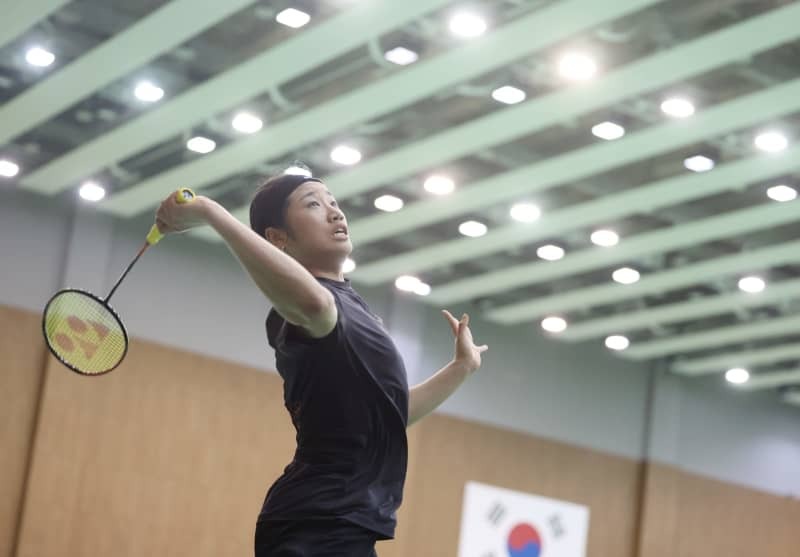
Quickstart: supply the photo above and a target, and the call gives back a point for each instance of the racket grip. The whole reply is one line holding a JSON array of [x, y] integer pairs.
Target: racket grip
[[183, 195]]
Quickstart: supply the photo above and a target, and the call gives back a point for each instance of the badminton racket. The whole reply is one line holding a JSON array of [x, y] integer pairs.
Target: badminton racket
[[82, 330]]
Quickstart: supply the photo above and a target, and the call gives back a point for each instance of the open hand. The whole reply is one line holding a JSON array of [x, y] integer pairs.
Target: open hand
[[466, 352]]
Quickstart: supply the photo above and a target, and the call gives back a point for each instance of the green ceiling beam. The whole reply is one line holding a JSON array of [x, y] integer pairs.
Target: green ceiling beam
[[576, 165], [730, 45], [694, 308], [713, 338], [771, 380], [290, 59], [732, 223], [504, 45], [744, 358], [18, 17], [650, 284], [165, 28], [642, 200], [727, 46]]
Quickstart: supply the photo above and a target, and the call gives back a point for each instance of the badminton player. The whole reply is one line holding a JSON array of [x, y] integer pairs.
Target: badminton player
[[345, 383]]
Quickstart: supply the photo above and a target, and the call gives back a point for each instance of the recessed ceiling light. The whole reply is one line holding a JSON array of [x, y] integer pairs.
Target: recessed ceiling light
[[91, 191], [550, 252], [626, 275], [605, 238], [617, 342], [348, 266], [291, 17], [525, 212], [699, 163], [8, 169], [554, 324], [401, 56], [677, 107], [408, 283], [782, 193], [295, 170], [422, 289], [345, 155], [147, 91], [608, 131], [472, 228], [737, 376], [202, 145], [389, 203], [508, 95], [245, 122], [439, 185], [771, 142], [577, 66], [39, 57], [467, 25], [752, 285]]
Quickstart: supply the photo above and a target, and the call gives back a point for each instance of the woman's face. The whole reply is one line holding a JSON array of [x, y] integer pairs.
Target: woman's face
[[317, 234]]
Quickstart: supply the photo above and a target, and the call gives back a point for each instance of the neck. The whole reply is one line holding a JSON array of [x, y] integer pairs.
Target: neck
[[326, 273]]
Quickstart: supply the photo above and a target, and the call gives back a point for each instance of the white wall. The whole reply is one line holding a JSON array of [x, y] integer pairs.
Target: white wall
[[195, 296]]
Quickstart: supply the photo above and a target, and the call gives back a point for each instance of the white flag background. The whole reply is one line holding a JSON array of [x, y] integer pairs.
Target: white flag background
[[498, 522]]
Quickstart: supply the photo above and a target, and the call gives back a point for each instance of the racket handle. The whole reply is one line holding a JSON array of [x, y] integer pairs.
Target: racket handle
[[183, 195]]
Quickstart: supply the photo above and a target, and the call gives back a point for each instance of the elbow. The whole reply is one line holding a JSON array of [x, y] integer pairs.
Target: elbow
[[319, 305]]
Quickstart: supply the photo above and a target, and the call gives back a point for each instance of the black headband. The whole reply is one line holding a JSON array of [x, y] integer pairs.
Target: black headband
[[269, 204]]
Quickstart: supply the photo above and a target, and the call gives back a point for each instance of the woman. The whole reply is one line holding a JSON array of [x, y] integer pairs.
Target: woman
[[345, 384]]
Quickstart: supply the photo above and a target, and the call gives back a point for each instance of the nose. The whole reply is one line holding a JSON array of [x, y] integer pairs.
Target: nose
[[335, 213]]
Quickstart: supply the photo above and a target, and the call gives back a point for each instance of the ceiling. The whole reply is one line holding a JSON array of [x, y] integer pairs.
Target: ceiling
[[691, 236]]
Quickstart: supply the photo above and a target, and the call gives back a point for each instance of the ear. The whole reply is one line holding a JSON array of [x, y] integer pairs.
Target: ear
[[277, 237]]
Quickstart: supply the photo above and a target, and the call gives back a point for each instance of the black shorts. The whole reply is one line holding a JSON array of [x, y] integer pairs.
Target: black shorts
[[313, 538]]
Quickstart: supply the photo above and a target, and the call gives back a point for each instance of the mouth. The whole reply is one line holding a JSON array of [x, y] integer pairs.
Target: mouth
[[340, 232]]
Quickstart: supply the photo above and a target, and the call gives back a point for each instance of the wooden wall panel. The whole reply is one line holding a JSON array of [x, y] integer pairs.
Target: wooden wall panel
[[22, 353], [452, 452], [170, 454], [715, 518]]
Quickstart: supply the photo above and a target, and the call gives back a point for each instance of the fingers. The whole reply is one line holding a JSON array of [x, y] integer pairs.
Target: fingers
[[451, 320]]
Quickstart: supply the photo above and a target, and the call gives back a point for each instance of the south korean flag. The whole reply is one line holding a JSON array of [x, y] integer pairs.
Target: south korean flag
[[497, 522]]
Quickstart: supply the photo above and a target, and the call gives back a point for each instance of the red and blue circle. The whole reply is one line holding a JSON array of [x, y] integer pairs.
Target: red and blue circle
[[524, 541]]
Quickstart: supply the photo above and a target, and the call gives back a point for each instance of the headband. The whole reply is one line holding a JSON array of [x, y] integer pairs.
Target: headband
[[269, 204]]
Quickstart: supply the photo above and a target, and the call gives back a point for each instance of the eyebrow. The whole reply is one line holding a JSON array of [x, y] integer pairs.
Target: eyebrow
[[314, 193]]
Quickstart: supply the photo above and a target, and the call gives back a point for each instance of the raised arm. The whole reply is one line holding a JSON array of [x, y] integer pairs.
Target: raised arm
[[293, 291], [425, 397]]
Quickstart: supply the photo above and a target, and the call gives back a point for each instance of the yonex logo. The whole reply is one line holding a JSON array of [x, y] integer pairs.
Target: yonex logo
[[78, 336]]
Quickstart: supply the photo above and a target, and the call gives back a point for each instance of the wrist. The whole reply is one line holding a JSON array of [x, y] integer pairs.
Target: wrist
[[461, 367]]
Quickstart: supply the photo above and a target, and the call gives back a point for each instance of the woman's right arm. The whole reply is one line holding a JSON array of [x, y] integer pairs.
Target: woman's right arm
[[293, 291]]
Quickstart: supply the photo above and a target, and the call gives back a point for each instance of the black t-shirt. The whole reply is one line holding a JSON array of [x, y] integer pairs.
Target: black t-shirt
[[347, 394]]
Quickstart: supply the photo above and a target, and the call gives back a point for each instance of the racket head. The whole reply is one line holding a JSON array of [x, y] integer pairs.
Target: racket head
[[83, 332]]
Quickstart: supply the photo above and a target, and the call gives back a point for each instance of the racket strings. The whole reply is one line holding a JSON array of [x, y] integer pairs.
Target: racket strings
[[84, 333]]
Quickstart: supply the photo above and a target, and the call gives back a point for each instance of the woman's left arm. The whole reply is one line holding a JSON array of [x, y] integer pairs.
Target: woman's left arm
[[428, 395]]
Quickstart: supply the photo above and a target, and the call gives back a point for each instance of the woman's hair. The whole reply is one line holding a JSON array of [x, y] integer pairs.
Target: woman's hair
[[268, 207]]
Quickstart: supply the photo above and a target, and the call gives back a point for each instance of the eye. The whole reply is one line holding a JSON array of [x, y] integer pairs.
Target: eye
[[313, 203], [334, 204]]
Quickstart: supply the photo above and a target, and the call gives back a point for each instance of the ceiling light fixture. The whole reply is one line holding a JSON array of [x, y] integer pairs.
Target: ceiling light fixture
[[699, 163], [389, 203], [678, 107], [39, 57], [401, 56], [605, 238], [8, 169], [472, 228], [202, 145], [550, 252], [91, 191], [439, 185], [467, 25], [554, 324], [293, 18], [345, 155], [508, 95], [782, 193], [576, 66], [608, 131], [244, 122], [148, 92]]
